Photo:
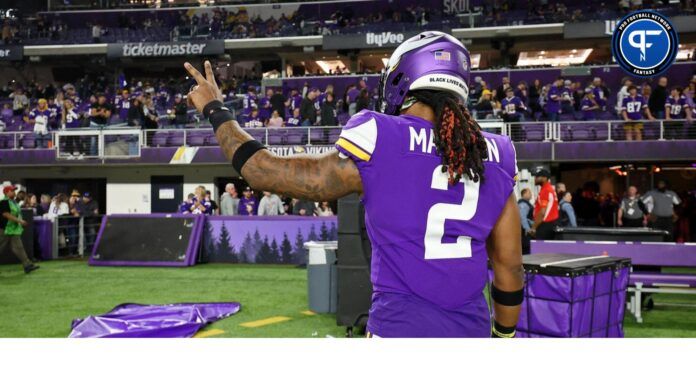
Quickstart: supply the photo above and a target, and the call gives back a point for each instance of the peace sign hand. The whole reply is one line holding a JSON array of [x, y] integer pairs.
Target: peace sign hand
[[207, 89]]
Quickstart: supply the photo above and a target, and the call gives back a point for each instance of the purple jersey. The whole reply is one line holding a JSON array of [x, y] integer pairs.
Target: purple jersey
[[295, 102], [634, 106], [122, 105], [253, 122], [428, 237], [42, 119], [589, 111], [244, 202], [293, 122], [676, 107], [599, 96], [553, 103], [265, 108], [511, 106], [72, 118], [249, 103], [352, 95]]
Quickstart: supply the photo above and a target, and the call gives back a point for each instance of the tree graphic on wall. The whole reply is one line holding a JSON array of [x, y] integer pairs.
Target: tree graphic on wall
[[324, 232], [264, 253], [275, 252], [208, 250], [245, 252], [333, 232], [225, 249], [257, 242], [298, 256], [285, 250], [313, 234]]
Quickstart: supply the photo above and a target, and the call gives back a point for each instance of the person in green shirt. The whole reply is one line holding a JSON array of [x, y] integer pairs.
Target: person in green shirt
[[11, 228]]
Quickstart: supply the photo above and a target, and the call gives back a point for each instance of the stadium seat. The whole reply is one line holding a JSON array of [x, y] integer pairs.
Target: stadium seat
[[159, 139], [195, 138], [175, 139], [28, 140]]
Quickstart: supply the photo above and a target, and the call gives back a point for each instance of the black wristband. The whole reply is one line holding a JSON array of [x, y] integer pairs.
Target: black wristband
[[507, 298], [500, 331], [244, 152], [217, 113]]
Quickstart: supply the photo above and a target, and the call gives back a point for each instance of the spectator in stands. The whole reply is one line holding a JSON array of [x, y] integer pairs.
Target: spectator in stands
[[253, 120], [265, 106], [20, 102], [249, 102], [247, 203], [589, 106], [328, 111], [150, 116], [275, 121], [199, 204], [39, 118], [6, 113], [560, 190], [534, 95], [504, 85], [351, 98], [21, 198], [658, 97], [31, 202], [545, 208], [71, 120], [278, 103], [295, 120], [87, 206], [578, 95], [512, 106], [59, 206], [11, 228], [567, 213], [270, 205], [526, 218], [324, 209], [100, 112], [631, 210], [522, 92], [214, 209], [186, 205], [484, 106], [600, 91], [554, 96], [626, 82], [96, 33], [567, 98], [676, 108], [633, 107], [135, 113], [43, 206], [646, 91], [363, 101], [303, 207], [122, 104], [660, 203], [295, 100], [229, 202], [308, 112], [180, 110]]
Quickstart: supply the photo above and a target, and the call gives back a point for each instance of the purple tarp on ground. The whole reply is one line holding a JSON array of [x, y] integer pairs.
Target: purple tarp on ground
[[153, 321]]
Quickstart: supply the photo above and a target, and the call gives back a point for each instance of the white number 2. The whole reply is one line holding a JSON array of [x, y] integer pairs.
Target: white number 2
[[435, 228]]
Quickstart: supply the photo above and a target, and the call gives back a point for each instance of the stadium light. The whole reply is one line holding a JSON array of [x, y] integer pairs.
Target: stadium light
[[553, 58]]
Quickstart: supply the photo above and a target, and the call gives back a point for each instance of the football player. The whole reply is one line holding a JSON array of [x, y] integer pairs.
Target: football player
[[438, 193]]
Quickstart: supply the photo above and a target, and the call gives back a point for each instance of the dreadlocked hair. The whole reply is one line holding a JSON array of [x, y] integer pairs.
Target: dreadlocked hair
[[457, 136]]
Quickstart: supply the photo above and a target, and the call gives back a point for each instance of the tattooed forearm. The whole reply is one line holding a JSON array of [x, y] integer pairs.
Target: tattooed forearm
[[323, 177]]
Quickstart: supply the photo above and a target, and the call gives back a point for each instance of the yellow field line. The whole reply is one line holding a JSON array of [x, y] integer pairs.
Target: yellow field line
[[264, 322], [207, 334], [308, 313]]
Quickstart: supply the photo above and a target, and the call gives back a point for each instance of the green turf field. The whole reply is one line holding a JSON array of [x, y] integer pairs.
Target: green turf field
[[43, 303]]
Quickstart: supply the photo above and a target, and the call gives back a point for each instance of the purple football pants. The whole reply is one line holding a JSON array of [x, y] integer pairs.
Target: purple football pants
[[395, 315]]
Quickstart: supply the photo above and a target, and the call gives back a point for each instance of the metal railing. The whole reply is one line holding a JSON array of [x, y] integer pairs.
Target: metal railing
[[74, 236], [127, 142], [606, 130]]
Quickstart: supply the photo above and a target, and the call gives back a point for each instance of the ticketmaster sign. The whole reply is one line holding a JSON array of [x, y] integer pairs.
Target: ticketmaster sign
[[165, 49], [385, 39]]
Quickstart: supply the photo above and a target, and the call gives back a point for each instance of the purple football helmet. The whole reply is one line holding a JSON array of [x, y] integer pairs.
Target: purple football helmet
[[431, 60]]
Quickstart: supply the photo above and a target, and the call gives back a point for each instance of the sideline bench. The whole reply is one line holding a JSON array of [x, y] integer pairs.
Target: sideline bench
[[655, 254]]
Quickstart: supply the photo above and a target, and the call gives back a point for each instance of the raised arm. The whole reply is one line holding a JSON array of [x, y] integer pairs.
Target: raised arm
[[323, 177]]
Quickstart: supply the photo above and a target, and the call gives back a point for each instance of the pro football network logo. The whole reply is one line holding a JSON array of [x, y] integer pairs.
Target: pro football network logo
[[644, 43]]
